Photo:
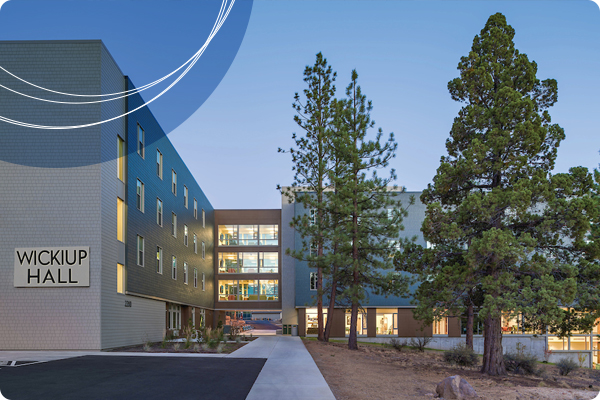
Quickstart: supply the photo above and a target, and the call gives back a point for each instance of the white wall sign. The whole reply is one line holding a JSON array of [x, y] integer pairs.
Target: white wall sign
[[52, 267]]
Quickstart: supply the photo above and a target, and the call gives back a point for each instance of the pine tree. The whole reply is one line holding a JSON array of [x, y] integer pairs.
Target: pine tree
[[363, 235], [311, 159], [499, 220]]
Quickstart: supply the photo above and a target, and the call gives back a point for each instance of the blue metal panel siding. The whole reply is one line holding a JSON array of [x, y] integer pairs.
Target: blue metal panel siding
[[145, 280], [412, 227]]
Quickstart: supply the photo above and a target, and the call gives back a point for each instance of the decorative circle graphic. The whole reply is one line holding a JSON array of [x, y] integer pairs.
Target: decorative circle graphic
[[46, 86]]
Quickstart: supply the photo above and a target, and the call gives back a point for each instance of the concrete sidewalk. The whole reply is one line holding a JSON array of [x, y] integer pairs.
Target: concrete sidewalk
[[289, 373]]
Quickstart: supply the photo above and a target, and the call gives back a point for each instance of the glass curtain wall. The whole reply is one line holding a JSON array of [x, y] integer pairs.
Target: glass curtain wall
[[387, 321], [248, 290], [248, 235], [361, 324], [248, 262], [312, 323]]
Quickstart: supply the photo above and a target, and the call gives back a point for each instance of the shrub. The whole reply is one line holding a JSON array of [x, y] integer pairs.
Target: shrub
[[420, 342], [397, 344], [581, 357], [461, 355], [176, 346], [566, 365], [520, 363]]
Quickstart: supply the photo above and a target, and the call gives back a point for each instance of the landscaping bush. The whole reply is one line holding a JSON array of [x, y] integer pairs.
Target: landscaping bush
[[461, 355], [397, 344], [420, 342], [521, 363], [566, 365]]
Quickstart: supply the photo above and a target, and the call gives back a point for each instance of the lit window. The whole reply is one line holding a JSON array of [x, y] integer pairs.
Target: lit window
[[174, 224], [159, 260], [140, 250], [313, 281], [269, 290], [203, 282], [185, 235], [140, 195], [387, 321], [203, 251], [140, 142], [195, 244], [120, 278], [268, 262], [159, 164], [185, 196], [195, 277], [159, 212], [269, 235], [203, 219], [185, 273], [174, 182], [174, 268], [120, 220], [195, 209], [121, 159]]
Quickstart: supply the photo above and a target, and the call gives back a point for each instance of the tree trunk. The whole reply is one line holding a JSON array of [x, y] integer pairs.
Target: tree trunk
[[320, 303], [493, 359], [470, 319], [331, 304], [352, 339]]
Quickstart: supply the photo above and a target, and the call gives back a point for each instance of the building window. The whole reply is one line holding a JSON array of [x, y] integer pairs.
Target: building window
[[269, 290], [141, 140], [174, 268], [159, 260], [120, 220], [195, 209], [361, 323], [313, 216], [121, 159], [174, 224], [140, 251], [195, 244], [440, 327], [185, 273], [185, 235], [248, 235], [140, 195], [387, 321], [120, 278], [185, 196], [313, 280], [203, 251], [174, 182], [159, 212], [269, 235], [159, 164], [195, 277], [203, 282], [174, 317], [203, 219], [268, 262]]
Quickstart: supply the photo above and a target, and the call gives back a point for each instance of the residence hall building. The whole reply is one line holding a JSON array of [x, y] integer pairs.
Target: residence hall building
[[382, 318], [106, 238]]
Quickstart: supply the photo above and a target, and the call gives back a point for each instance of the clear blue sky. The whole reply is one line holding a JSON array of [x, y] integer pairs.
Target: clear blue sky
[[404, 51]]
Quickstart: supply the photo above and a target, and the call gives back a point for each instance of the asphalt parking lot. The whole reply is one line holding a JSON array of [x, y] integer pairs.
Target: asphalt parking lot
[[104, 377]]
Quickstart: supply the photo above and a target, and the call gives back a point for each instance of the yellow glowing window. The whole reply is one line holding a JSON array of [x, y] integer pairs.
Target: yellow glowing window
[[120, 278], [120, 220]]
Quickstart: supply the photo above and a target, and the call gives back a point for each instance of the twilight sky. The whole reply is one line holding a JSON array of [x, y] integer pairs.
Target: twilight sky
[[405, 53]]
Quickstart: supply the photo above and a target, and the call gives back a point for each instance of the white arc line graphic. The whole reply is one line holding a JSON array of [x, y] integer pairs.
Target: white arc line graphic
[[2, 3], [194, 59], [217, 25]]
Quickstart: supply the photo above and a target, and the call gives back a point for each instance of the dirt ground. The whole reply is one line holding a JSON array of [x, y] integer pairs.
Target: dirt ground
[[374, 372]]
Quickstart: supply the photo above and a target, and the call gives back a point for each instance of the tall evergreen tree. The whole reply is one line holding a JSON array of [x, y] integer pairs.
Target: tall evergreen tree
[[311, 159], [361, 195], [495, 204]]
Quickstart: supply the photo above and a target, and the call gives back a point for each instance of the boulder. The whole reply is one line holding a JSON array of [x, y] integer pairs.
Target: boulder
[[455, 387]]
